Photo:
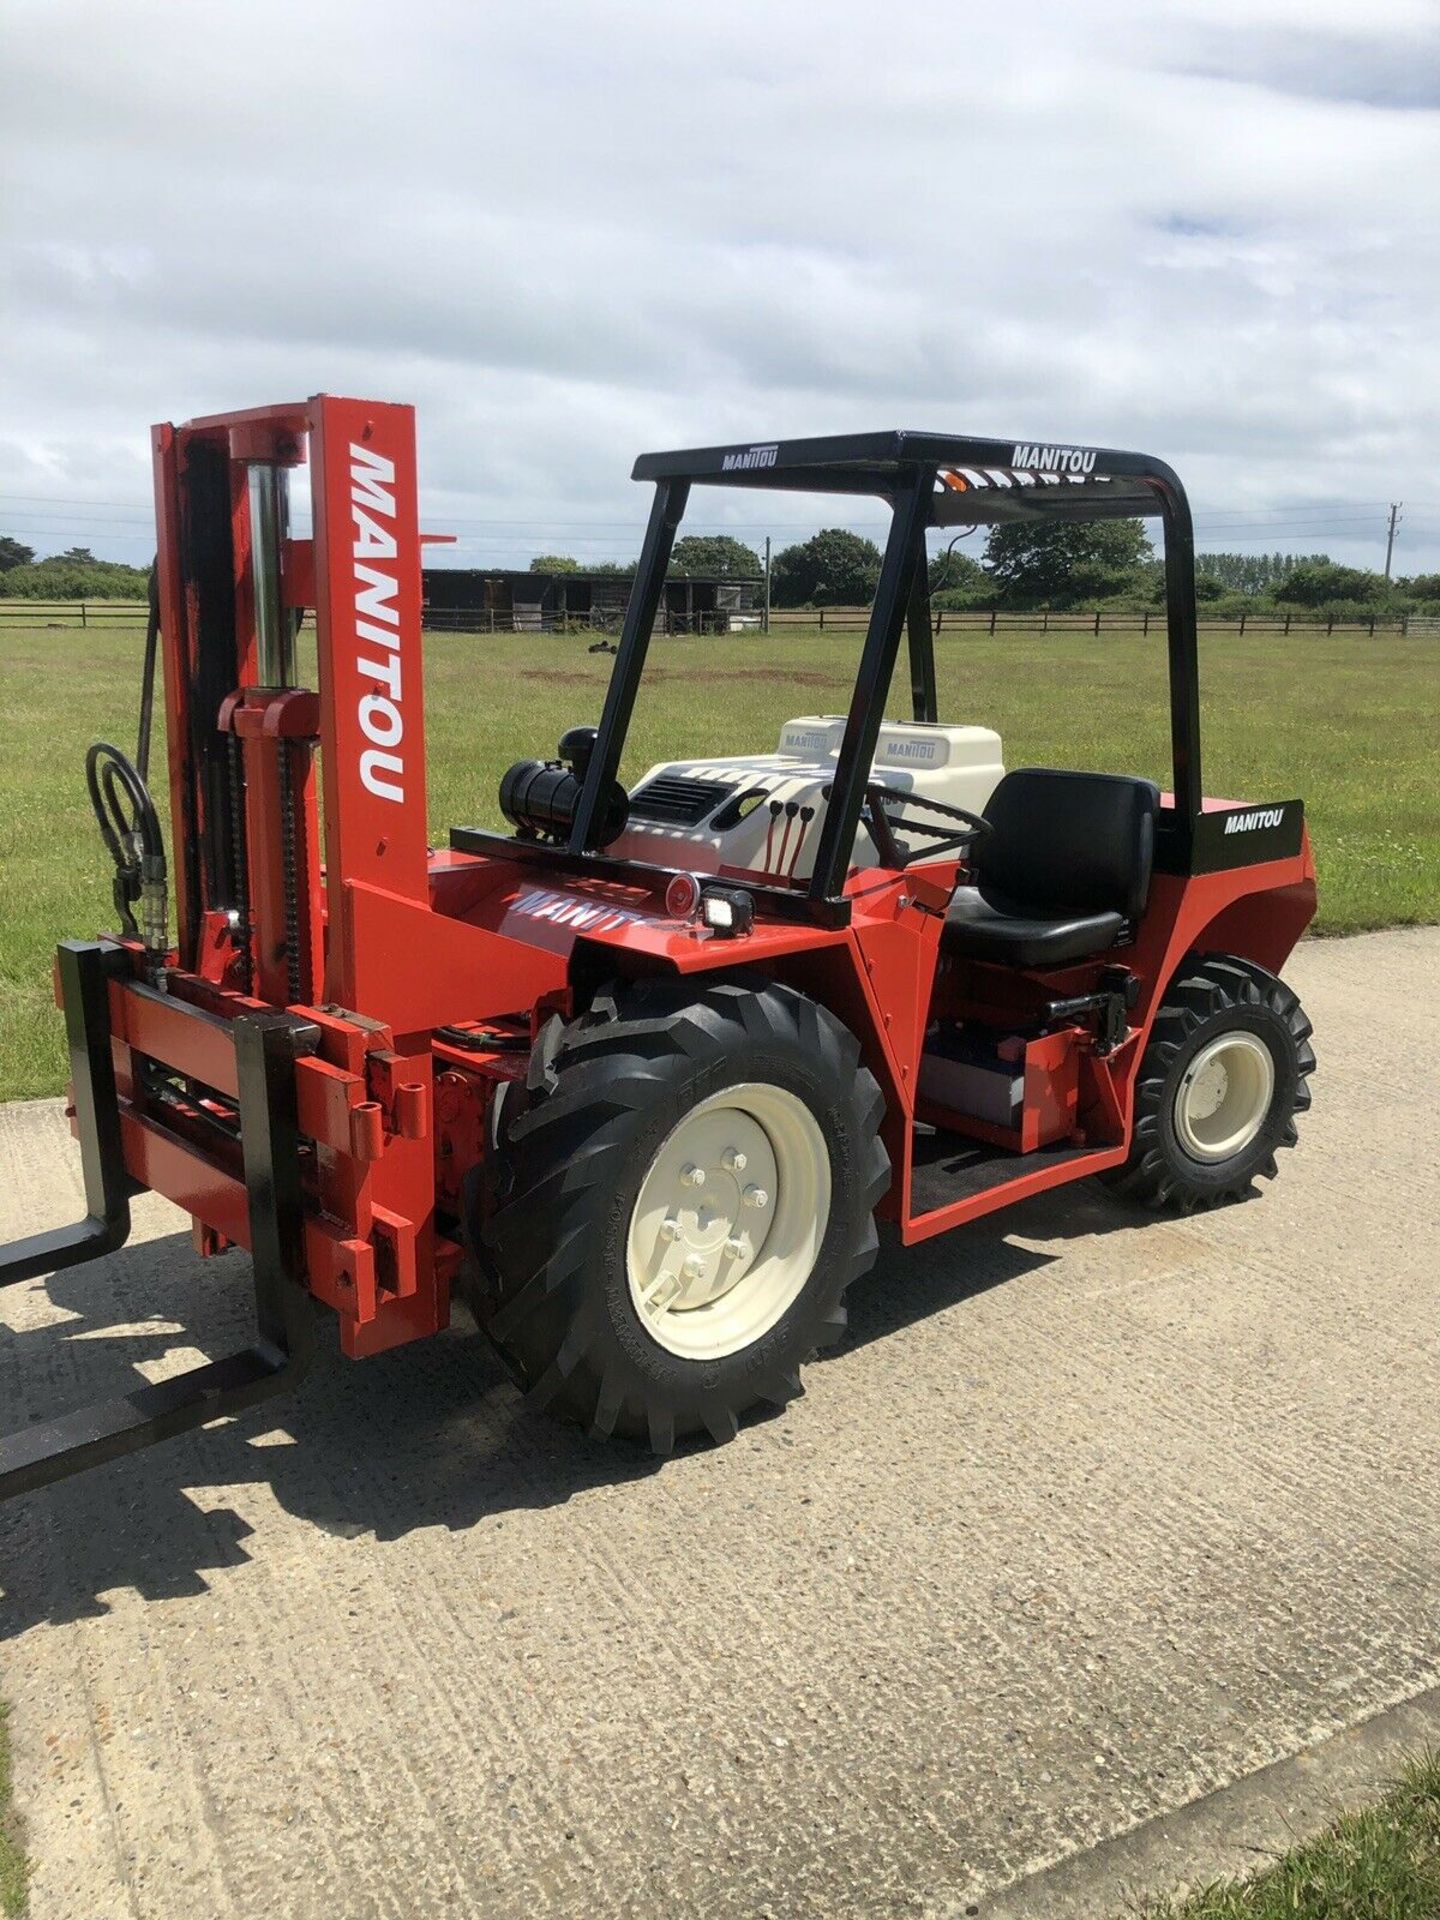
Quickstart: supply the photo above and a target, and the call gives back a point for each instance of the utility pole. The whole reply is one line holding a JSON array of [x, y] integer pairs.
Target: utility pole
[[1395, 516], [767, 583]]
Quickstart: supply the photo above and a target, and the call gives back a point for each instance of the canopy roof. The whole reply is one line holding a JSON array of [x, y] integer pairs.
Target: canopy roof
[[976, 481]]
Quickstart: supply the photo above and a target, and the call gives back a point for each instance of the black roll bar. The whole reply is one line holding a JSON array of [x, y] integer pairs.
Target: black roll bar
[[666, 511], [1078, 483], [872, 684], [921, 637]]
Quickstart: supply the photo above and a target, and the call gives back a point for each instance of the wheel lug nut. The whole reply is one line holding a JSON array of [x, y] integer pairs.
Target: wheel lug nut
[[733, 1160], [756, 1197], [670, 1229], [735, 1248], [694, 1268], [692, 1176]]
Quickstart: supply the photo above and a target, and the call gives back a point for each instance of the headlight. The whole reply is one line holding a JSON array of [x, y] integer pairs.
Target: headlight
[[727, 911]]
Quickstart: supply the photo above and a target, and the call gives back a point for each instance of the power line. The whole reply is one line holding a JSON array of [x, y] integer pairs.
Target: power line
[[589, 532], [1288, 528], [496, 540], [127, 509]]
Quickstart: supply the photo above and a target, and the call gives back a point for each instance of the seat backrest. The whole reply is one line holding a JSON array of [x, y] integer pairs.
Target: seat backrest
[[1063, 843]]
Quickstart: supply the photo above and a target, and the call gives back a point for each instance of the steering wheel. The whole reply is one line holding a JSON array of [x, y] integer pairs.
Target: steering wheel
[[942, 839]]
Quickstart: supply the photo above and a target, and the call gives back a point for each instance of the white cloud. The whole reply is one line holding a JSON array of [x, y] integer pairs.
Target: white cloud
[[570, 232]]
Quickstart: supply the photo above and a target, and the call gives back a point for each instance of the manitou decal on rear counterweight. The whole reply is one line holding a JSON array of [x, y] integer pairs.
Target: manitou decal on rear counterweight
[[1252, 822], [377, 621]]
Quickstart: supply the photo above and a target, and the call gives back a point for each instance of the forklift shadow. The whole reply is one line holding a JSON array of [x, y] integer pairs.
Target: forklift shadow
[[429, 1435], [908, 1284]]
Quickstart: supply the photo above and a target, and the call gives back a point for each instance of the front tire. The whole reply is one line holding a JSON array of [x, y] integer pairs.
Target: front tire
[[1226, 1071], [682, 1197]]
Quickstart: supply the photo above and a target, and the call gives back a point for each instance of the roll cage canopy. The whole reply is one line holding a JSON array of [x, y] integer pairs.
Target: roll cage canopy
[[928, 480], [997, 479]]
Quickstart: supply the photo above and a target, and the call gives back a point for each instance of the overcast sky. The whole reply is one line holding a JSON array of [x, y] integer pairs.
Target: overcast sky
[[1203, 228]]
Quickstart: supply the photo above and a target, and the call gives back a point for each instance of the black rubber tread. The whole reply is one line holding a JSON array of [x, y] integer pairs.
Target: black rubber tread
[[1210, 992], [574, 1146]]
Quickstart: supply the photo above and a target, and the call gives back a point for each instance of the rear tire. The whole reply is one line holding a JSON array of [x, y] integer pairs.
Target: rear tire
[[1226, 1071], [637, 1276]]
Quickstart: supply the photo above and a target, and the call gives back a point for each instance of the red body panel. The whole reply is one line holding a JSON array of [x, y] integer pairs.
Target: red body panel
[[368, 599]]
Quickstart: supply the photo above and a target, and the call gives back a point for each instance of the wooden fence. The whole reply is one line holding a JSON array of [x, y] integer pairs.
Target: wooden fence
[[1110, 620], [108, 615], [72, 613]]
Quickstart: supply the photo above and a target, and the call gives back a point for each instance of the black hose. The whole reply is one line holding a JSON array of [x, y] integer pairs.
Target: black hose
[[130, 828], [964, 534], [480, 1040], [147, 674], [119, 768]]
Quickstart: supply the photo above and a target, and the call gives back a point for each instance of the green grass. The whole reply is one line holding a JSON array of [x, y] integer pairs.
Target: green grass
[[14, 1870], [1347, 722], [1382, 1863]]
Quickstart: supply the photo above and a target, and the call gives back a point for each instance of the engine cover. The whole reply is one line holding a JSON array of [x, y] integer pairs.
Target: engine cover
[[760, 814]]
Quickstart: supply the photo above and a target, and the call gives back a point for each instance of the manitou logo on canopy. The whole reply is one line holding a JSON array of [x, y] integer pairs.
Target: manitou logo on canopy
[[377, 621], [1055, 459], [1251, 822], [751, 457]]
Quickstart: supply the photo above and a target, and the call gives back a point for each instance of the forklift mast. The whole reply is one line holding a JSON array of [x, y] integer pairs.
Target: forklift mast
[[235, 1072], [243, 727]]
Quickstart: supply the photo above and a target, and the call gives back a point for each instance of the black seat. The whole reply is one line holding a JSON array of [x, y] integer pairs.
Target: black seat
[[1063, 871]]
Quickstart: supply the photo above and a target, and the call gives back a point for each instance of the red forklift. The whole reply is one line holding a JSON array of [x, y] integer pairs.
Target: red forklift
[[640, 1074]]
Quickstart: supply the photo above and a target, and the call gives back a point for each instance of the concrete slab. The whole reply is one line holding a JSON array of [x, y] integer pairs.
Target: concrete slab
[[1093, 1515], [1234, 1832]]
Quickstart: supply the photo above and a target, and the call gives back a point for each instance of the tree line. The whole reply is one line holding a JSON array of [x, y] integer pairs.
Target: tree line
[[1032, 566], [1024, 566], [73, 575]]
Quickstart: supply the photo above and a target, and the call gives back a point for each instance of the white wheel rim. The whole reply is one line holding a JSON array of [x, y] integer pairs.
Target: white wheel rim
[[728, 1221], [1224, 1096]]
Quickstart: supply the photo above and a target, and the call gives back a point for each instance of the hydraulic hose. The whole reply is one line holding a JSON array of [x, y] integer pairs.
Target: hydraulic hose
[[130, 828], [147, 675], [964, 534]]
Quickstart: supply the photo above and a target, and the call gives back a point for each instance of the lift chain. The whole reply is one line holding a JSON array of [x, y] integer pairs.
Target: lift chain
[[291, 863], [240, 878]]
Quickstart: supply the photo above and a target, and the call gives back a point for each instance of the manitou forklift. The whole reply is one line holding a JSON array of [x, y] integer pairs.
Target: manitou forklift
[[640, 1074]]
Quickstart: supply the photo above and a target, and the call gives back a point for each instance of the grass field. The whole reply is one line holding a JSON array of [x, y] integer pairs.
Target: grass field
[[1349, 723], [14, 1873], [1380, 1863]]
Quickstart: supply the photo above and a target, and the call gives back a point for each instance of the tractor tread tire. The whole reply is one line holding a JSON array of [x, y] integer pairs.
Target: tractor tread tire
[[1209, 986], [573, 1143]]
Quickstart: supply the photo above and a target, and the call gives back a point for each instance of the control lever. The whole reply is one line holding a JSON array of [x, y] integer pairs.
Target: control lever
[[1116, 992]]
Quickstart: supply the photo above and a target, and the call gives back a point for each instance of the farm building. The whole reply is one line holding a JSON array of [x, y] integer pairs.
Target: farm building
[[469, 598]]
